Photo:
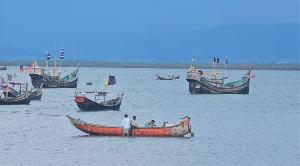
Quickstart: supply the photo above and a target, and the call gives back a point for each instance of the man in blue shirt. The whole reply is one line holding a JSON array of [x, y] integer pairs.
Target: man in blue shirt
[[126, 123]]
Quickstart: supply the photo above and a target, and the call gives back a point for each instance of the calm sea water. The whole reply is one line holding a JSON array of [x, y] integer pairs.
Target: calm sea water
[[261, 128]]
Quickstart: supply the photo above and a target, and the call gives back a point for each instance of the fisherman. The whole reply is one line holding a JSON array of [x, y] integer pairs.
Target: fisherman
[[126, 125], [133, 122], [150, 124]]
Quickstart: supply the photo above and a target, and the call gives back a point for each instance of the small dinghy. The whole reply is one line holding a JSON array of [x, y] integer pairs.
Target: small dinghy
[[3, 67], [160, 77]]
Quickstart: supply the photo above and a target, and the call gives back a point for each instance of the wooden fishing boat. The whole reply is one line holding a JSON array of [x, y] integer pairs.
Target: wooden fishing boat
[[179, 130], [160, 77], [52, 79], [86, 104], [34, 94], [3, 67], [8, 97], [23, 99], [199, 83]]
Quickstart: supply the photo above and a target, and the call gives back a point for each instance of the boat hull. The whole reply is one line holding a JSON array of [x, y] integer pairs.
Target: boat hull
[[178, 130], [86, 104], [49, 82], [168, 78], [24, 99], [3, 68], [203, 87]]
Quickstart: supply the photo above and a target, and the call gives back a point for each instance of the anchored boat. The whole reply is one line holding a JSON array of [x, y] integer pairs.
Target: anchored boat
[[9, 96], [179, 130], [160, 77], [51, 77], [100, 101], [200, 83], [3, 67], [99, 104]]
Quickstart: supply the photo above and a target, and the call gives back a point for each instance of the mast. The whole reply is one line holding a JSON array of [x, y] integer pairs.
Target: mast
[[192, 67], [105, 88], [62, 54], [226, 62], [48, 56]]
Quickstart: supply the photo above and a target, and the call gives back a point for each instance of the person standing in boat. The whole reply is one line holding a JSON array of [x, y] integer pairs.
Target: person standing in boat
[[133, 122], [126, 123]]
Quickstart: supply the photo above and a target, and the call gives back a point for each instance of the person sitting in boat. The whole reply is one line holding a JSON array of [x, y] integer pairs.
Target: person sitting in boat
[[133, 122], [126, 125], [151, 124]]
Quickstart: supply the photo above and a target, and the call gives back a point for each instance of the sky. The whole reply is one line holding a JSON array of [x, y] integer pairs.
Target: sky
[[147, 31]]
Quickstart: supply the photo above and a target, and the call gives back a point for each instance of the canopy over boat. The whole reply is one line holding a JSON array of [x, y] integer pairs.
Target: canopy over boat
[[178, 130]]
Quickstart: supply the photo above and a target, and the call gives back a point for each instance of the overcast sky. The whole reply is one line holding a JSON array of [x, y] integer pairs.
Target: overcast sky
[[36, 24]]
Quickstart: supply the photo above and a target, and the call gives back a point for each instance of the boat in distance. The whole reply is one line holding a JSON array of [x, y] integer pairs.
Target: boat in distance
[[178, 130], [160, 77], [3, 67]]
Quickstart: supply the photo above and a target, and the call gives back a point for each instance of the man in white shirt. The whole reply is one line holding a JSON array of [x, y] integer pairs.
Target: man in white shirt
[[126, 123]]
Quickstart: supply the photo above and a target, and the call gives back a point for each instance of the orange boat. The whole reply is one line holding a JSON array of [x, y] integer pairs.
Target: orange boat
[[178, 130]]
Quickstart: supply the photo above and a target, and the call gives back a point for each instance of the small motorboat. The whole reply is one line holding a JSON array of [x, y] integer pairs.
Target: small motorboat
[[160, 77], [3, 67], [178, 130]]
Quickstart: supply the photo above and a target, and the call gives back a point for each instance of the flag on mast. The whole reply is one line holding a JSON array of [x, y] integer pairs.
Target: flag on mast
[[48, 56], [62, 54], [21, 68], [214, 62], [111, 80]]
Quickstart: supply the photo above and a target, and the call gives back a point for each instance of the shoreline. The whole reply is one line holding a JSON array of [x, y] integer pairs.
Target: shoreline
[[240, 66]]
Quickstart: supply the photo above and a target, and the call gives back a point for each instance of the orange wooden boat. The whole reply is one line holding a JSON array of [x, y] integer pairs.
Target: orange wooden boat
[[178, 130]]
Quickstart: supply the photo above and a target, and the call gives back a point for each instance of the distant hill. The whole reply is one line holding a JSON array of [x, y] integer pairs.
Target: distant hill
[[242, 43]]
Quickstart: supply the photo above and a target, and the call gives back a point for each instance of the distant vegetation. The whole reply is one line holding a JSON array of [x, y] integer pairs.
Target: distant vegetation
[[74, 63]]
